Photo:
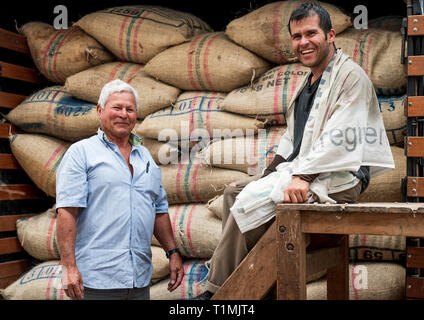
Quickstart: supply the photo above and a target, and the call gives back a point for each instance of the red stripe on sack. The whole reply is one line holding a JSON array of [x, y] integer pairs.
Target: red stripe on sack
[[136, 68], [205, 61], [62, 41], [276, 96], [367, 54], [276, 30], [46, 51], [174, 219], [355, 290], [194, 180], [190, 63], [139, 23], [49, 238], [190, 240], [121, 33], [271, 144], [53, 155], [356, 50], [115, 69], [208, 114], [193, 106], [49, 284], [178, 182], [183, 281]]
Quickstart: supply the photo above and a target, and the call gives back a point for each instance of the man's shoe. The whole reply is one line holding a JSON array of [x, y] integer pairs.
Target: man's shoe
[[207, 295]]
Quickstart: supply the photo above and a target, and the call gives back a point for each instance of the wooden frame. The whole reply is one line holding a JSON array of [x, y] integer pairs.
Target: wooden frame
[[281, 257]]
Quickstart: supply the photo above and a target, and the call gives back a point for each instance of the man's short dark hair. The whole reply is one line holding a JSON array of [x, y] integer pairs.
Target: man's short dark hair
[[309, 9]]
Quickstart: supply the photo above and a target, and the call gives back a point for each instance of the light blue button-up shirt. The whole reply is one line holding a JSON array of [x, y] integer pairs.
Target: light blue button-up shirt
[[117, 210]]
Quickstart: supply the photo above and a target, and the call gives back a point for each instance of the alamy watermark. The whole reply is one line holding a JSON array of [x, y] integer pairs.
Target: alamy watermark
[[61, 20]]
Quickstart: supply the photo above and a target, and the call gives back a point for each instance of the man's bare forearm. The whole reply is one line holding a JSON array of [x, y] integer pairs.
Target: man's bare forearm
[[163, 232], [66, 234]]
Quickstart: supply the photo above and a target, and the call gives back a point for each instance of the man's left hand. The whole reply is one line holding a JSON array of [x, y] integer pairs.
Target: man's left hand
[[296, 191], [177, 271]]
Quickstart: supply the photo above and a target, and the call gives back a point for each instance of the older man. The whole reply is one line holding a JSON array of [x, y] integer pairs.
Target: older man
[[110, 200], [335, 141]]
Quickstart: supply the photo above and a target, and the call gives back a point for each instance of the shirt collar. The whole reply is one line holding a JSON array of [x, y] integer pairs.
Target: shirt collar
[[134, 140]]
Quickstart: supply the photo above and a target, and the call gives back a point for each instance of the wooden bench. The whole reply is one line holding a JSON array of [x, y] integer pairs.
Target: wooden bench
[[306, 238]]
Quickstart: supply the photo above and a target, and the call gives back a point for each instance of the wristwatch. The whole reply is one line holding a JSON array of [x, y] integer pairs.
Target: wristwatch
[[168, 254]]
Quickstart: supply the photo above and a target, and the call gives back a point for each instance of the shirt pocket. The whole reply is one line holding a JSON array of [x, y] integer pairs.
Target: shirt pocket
[[152, 182]]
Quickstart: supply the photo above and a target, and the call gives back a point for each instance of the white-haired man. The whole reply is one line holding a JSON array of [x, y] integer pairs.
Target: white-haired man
[[110, 201]]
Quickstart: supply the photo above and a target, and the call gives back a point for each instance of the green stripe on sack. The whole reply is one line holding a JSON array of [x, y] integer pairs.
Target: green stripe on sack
[[186, 182], [52, 52], [130, 27], [124, 71], [197, 63], [181, 225]]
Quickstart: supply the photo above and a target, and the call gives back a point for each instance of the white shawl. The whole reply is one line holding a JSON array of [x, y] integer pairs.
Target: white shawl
[[344, 131]]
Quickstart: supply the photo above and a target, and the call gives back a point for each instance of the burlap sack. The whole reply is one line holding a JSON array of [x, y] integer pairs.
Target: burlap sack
[[215, 205], [268, 96], [195, 114], [163, 153], [193, 283], [250, 154], [55, 112], [376, 248], [39, 156], [389, 23], [160, 264], [153, 94], [137, 33], [388, 186], [264, 30], [59, 54], [378, 52], [43, 282], [209, 62], [197, 230], [384, 281], [37, 235], [392, 109], [194, 183]]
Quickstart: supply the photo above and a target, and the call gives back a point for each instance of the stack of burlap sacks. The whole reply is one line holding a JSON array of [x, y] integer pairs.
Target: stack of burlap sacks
[[218, 99]]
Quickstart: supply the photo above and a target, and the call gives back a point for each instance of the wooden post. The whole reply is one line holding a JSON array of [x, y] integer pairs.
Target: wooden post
[[338, 276], [291, 256]]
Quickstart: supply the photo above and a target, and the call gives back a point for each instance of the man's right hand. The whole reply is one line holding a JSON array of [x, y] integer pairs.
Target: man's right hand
[[72, 282]]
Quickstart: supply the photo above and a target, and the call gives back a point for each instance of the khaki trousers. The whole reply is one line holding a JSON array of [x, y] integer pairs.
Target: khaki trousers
[[234, 245]]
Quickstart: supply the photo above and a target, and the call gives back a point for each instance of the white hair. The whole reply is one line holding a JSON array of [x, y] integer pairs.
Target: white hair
[[113, 86]]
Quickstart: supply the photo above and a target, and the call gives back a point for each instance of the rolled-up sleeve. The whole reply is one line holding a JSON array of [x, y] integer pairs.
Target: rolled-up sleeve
[[71, 179]]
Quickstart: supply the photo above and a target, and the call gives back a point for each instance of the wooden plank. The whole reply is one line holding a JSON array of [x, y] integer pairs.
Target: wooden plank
[[6, 129], [414, 106], [13, 71], [415, 66], [19, 191], [393, 224], [256, 275], [365, 207], [8, 161], [10, 245], [11, 271], [8, 223], [414, 287], [414, 257], [415, 25], [13, 41], [414, 146], [338, 276], [415, 186], [291, 257], [10, 100]]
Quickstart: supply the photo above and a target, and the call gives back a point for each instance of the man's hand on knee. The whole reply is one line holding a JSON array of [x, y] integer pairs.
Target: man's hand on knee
[[296, 191]]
